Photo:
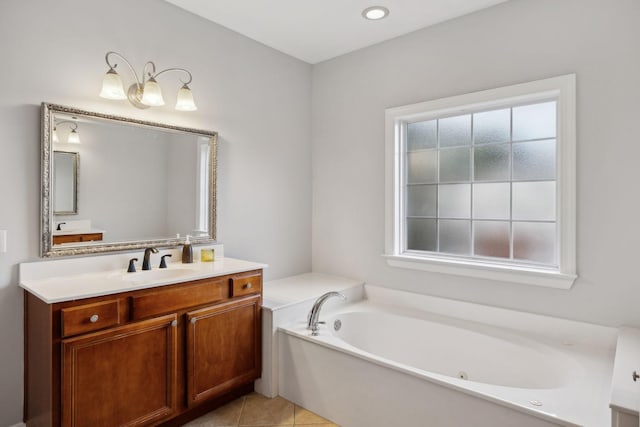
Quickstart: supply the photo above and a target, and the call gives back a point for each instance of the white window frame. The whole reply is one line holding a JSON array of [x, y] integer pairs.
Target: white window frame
[[562, 89]]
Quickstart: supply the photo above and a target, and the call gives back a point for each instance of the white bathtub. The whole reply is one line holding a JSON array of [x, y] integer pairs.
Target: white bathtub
[[398, 360]]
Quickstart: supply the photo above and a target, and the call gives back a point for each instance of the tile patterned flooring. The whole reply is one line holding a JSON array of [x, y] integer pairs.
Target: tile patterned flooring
[[255, 410]]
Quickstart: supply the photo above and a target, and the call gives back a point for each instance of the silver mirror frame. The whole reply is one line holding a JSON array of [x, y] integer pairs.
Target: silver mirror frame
[[47, 249]]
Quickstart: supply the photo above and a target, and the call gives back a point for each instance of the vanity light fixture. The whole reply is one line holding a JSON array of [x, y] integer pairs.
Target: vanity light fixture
[[72, 138], [144, 93], [375, 13]]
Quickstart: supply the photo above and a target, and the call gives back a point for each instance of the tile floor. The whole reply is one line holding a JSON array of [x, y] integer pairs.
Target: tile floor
[[256, 410]]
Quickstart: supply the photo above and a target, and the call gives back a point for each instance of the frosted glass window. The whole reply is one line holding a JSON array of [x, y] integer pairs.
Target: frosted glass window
[[537, 121], [455, 165], [534, 160], [454, 201], [534, 201], [491, 239], [483, 184], [422, 234], [492, 126], [535, 242], [491, 162], [422, 167], [421, 200], [492, 201], [455, 131], [421, 135], [455, 236]]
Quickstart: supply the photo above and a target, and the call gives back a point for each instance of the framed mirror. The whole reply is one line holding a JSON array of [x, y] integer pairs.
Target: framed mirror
[[65, 182], [143, 184]]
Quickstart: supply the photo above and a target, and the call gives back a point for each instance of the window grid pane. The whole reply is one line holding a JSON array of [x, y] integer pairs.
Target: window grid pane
[[454, 163]]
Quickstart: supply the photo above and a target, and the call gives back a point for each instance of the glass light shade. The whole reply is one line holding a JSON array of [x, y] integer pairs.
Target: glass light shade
[[112, 87], [185, 100], [152, 94], [54, 136], [73, 138]]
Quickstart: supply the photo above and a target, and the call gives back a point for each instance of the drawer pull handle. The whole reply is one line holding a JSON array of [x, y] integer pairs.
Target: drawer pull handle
[[247, 286], [174, 323], [193, 320], [94, 318]]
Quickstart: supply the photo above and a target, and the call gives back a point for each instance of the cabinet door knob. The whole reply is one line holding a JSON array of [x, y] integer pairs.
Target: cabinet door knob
[[94, 318], [193, 320], [174, 323], [247, 286]]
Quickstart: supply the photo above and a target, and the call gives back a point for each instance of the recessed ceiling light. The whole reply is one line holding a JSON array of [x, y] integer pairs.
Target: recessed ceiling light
[[375, 13]]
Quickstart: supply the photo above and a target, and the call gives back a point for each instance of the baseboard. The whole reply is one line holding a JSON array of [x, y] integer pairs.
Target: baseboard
[[19, 425]]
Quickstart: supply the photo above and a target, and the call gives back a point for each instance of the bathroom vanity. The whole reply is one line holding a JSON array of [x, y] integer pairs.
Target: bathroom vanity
[[156, 347]]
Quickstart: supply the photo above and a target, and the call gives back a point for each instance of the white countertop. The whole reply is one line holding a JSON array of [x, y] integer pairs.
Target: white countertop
[[68, 287]]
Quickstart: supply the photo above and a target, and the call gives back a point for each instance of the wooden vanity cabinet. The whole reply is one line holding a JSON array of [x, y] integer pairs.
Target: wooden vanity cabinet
[[76, 238], [159, 356]]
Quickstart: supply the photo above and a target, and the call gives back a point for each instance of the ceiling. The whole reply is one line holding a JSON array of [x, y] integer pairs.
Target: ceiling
[[314, 30]]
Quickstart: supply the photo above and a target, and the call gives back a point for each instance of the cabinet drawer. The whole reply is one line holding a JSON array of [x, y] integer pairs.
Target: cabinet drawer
[[246, 284], [90, 317], [177, 298]]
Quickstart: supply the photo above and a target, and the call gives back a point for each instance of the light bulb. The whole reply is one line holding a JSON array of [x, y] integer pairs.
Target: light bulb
[[112, 87], [73, 138], [375, 12], [151, 93], [185, 99]]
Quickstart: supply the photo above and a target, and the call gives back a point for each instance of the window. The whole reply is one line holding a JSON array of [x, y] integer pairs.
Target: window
[[484, 184]]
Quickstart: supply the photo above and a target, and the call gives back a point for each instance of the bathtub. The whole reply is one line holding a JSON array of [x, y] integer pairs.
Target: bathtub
[[406, 360]]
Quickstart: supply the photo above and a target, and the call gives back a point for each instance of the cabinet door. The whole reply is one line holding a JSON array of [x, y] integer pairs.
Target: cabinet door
[[123, 376], [223, 348]]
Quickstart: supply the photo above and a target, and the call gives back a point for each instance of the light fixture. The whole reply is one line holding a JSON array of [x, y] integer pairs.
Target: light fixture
[[375, 13], [144, 93], [72, 137]]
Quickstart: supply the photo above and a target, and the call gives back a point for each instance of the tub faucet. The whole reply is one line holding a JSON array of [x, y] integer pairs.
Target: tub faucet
[[314, 314], [146, 261]]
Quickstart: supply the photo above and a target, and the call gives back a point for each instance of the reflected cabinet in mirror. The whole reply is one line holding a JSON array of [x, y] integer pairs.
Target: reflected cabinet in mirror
[[141, 184]]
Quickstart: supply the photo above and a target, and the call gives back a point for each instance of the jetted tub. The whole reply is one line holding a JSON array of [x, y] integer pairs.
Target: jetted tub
[[405, 360]]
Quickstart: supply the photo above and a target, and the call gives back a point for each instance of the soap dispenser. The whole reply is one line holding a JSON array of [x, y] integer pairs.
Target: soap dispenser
[[187, 251]]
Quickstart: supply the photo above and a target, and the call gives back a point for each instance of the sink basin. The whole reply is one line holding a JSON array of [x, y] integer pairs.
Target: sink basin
[[154, 275]]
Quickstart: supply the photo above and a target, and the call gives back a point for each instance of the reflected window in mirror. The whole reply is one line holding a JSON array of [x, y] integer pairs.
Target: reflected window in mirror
[[65, 183]]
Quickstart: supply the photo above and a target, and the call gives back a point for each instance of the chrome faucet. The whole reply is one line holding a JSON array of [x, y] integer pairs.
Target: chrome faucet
[[314, 314], [146, 261]]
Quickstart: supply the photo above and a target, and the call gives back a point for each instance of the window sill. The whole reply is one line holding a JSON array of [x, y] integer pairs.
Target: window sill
[[512, 274]]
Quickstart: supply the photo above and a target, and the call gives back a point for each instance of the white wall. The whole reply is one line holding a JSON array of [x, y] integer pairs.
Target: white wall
[[256, 98], [518, 41]]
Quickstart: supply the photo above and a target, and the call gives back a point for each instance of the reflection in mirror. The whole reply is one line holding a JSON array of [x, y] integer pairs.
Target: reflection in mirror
[[142, 184], [65, 183]]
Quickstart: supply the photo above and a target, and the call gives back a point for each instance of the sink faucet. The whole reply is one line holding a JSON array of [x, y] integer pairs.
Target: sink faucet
[[314, 314], [146, 262]]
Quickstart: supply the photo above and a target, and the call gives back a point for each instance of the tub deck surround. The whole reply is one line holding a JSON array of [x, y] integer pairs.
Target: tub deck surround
[[290, 299], [71, 279], [528, 359], [625, 393], [282, 293]]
